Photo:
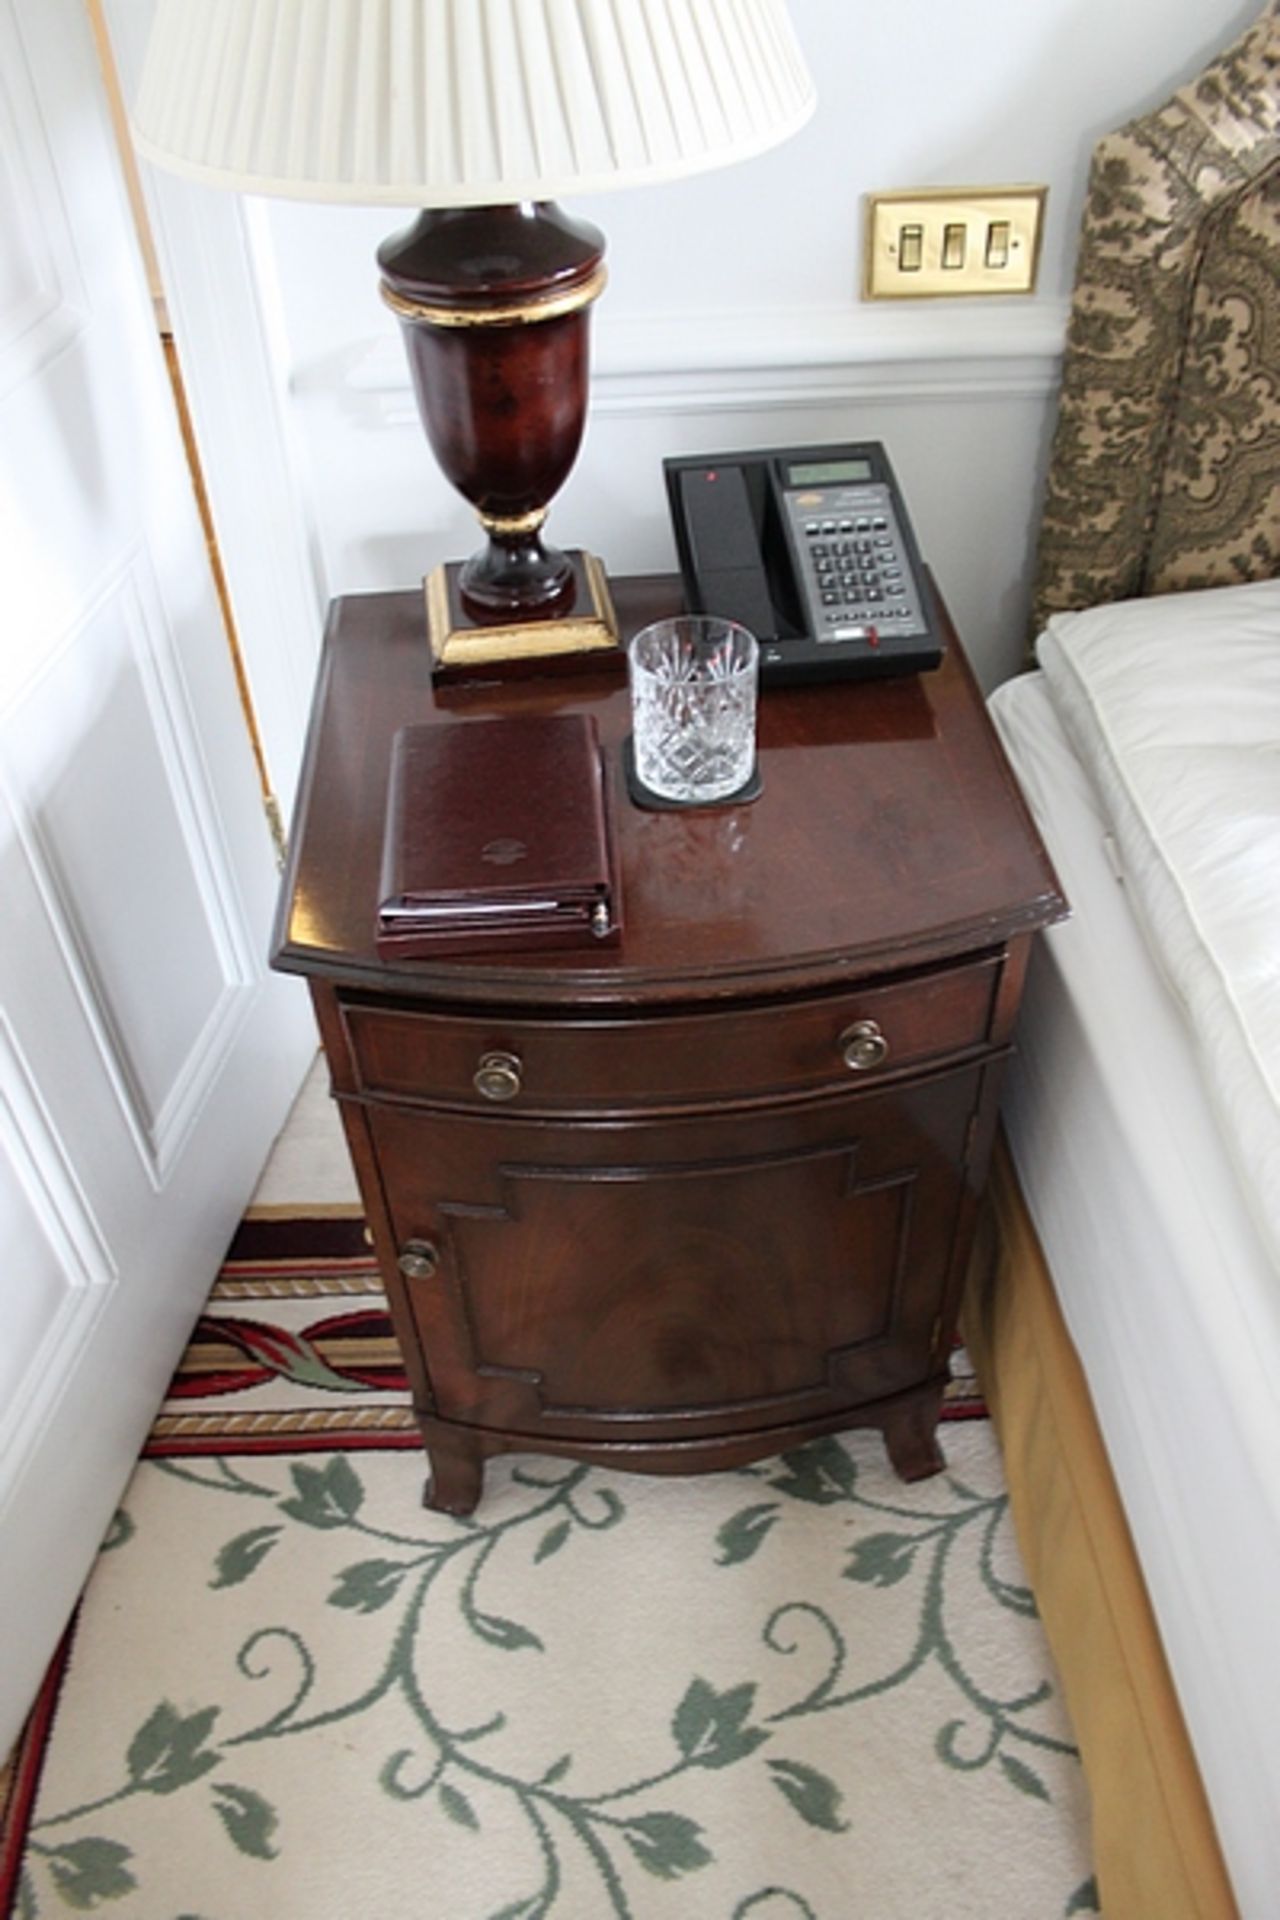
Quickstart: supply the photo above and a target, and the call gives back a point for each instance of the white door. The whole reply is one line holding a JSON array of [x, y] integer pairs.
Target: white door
[[146, 1057]]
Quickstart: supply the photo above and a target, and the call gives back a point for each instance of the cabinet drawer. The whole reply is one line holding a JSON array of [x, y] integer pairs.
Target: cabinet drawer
[[618, 1064]]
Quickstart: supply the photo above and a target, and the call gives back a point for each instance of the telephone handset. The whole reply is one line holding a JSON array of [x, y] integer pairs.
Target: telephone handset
[[812, 549]]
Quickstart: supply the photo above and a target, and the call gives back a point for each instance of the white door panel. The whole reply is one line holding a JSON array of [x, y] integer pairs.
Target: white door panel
[[60, 1259], [133, 870], [41, 299], [146, 1056]]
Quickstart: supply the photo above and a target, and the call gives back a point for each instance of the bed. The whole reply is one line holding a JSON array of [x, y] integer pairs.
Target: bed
[[1125, 1312]]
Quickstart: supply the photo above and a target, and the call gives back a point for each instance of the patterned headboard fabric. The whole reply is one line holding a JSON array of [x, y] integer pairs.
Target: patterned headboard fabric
[[1165, 467]]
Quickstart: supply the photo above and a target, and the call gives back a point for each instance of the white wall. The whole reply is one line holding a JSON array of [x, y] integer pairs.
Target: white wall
[[733, 317]]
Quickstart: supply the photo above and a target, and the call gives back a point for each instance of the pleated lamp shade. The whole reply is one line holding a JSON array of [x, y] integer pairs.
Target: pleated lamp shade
[[453, 103]]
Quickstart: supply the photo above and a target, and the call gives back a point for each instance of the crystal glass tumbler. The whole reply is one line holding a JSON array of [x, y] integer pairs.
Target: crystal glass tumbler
[[693, 707]]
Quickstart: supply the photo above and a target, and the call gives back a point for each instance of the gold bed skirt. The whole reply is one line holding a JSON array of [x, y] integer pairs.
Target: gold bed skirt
[[1155, 1849]]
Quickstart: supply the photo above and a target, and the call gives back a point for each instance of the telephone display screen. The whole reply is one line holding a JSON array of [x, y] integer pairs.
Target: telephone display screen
[[828, 473]]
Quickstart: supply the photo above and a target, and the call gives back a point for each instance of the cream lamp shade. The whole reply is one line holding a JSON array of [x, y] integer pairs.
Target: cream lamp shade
[[450, 103]]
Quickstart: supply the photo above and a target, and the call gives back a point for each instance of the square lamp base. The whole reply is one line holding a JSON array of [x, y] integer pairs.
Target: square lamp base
[[585, 636]]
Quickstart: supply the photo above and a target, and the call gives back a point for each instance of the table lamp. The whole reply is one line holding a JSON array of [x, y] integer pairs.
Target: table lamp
[[481, 113]]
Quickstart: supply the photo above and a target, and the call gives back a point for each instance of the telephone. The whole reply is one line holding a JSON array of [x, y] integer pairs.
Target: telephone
[[812, 550]]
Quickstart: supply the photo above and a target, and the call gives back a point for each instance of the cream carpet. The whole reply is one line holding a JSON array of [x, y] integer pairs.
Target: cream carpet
[[802, 1691]]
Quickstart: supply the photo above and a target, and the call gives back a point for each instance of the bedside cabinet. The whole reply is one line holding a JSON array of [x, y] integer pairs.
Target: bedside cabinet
[[684, 1202]]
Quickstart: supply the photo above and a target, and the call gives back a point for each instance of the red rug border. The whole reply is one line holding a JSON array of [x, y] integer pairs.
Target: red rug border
[[28, 1768], [194, 1446]]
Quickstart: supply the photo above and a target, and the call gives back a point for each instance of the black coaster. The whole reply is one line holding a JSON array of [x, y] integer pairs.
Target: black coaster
[[642, 796]]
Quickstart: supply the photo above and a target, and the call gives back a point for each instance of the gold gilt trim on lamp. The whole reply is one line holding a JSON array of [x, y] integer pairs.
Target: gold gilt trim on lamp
[[458, 643], [552, 306], [514, 524]]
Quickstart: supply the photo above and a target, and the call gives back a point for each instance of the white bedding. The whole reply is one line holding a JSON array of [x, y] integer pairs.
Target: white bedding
[[1169, 1290], [1173, 705]]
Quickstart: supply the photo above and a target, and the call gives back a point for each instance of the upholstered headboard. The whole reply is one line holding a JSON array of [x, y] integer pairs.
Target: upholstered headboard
[[1165, 467]]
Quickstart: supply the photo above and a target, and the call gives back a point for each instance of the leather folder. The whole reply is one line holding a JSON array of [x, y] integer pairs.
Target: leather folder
[[498, 836]]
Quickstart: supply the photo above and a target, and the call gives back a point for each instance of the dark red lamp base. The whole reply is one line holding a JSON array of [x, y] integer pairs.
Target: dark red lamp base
[[495, 307]]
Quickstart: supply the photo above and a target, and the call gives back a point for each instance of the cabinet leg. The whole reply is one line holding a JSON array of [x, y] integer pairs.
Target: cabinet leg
[[457, 1470], [911, 1438]]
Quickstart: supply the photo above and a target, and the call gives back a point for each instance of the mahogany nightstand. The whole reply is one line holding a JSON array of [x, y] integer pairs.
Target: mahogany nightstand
[[719, 1194]]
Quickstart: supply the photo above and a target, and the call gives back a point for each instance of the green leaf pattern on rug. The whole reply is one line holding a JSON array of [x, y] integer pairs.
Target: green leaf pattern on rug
[[666, 1844], [742, 1536], [327, 1497], [167, 1754], [640, 1822], [87, 1871], [169, 1751], [240, 1556], [369, 1585], [824, 1474], [248, 1818], [458, 1807], [119, 1533], [882, 1559], [815, 1798], [710, 1728]]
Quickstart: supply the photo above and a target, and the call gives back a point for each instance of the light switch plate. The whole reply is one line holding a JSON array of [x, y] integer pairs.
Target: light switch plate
[[945, 241]]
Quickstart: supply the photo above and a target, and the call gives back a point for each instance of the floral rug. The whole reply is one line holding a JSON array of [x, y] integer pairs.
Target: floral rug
[[800, 1691]]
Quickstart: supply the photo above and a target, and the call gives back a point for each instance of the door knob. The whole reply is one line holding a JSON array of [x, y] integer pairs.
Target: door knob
[[863, 1045], [418, 1259], [498, 1076]]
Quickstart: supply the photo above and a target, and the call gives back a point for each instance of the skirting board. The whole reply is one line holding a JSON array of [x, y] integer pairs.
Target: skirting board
[[1155, 1849]]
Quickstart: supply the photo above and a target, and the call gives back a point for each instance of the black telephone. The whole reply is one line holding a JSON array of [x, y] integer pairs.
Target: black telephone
[[812, 550]]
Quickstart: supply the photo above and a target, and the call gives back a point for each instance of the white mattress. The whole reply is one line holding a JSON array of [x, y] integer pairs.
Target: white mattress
[[1173, 704], [1169, 1291]]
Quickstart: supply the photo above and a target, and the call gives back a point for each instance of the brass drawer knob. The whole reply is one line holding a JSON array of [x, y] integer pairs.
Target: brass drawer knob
[[498, 1076], [862, 1046], [418, 1259]]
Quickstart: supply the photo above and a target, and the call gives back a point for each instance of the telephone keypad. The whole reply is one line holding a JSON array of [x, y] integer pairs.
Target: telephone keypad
[[851, 566]]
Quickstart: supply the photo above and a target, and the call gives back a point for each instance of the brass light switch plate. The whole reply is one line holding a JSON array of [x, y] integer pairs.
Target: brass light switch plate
[[944, 241]]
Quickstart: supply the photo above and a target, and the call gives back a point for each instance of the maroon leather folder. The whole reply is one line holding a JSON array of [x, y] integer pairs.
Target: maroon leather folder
[[498, 836]]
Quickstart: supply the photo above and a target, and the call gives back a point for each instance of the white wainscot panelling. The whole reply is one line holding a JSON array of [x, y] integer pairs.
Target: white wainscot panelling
[[107, 788], [58, 1272], [41, 293]]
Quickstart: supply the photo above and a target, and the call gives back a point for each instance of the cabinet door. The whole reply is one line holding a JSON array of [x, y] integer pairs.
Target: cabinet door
[[662, 1280]]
